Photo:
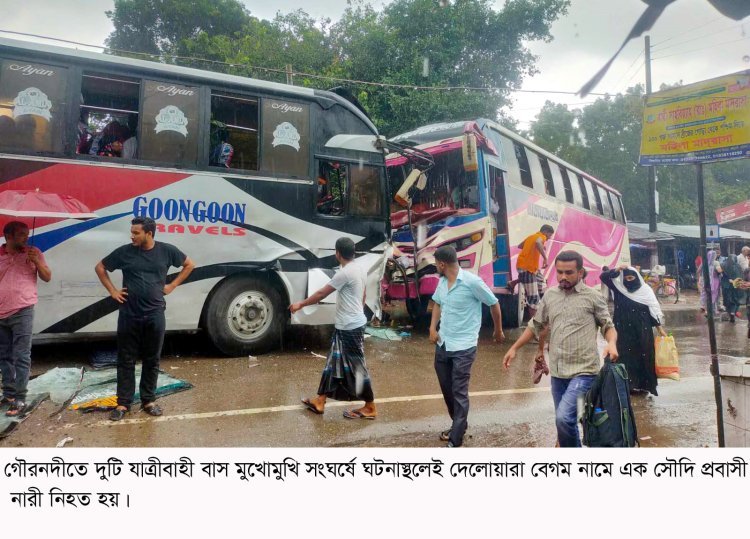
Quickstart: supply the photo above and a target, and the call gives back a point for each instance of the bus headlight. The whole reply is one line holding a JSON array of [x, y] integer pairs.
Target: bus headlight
[[464, 243]]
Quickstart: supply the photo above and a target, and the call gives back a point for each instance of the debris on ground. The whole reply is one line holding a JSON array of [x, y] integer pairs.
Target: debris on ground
[[64, 441], [318, 355], [386, 334]]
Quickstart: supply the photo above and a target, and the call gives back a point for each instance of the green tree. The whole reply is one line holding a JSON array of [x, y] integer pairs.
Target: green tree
[[466, 43], [555, 130], [161, 27]]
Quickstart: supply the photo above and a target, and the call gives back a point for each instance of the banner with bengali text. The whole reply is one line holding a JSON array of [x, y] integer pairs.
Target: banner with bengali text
[[701, 122]]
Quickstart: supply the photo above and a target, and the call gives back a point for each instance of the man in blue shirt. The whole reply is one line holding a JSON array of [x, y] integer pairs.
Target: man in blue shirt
[[458, 307]]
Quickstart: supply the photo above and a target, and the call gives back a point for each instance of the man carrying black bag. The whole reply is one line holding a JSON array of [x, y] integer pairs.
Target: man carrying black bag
[[345, 376], [572, 312]]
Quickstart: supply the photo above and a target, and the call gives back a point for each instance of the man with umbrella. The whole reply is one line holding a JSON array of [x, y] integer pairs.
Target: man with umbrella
[[20, 265]]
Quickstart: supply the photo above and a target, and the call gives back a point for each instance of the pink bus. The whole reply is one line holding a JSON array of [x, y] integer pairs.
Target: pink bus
[[488, 190]]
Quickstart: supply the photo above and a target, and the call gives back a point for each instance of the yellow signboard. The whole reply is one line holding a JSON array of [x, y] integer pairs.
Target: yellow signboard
[[705, 121]]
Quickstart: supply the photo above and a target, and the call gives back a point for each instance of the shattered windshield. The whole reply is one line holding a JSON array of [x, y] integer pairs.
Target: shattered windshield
[[448, 186]]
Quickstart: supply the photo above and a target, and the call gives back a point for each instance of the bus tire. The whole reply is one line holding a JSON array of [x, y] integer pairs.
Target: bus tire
[[512, 309], [245, 316]]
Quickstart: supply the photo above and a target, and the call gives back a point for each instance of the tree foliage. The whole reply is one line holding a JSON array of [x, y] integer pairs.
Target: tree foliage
[[604, 140], [163, 27], [464, 43]]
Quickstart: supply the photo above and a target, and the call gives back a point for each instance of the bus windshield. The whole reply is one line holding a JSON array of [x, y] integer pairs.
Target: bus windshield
[[449, 190]]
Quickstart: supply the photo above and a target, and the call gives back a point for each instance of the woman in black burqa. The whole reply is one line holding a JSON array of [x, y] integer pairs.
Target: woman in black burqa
[[637, 311]]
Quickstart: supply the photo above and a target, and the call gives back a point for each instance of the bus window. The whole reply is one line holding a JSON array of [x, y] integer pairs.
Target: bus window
[[108, 116], [332, 183], [549, 184], [614, 202], [623, 217], [584, 192], [497, 200], [32, 101], [566, 185], [523, 165], [233, 132], [597, 197], [169, 123], [364, 189], [286, 138], [606, 203]]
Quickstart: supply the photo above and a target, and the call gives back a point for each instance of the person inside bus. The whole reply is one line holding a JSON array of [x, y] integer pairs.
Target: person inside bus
[[221, 152], [103, 143], [85, 138], [116, 142], [130, 144]]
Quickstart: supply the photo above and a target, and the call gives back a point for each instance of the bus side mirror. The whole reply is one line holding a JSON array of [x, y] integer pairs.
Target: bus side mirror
[[416, 179], [469, 151]]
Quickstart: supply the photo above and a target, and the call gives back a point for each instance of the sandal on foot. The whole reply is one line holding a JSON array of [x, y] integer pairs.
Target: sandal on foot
[[152, 409], [5, 400], [445, 436], [310, 406], [356, 414], [117, 414], [17, 408]]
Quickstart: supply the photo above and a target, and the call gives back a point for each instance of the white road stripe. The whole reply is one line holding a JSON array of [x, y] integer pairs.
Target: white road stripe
[[289, 408], [333, 404]]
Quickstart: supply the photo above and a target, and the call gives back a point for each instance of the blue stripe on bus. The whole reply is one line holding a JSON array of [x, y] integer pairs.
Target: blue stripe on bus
[[48, 240], [405, 235]]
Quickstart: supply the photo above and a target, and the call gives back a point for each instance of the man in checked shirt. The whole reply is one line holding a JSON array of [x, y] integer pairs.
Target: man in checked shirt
[[573, 312]]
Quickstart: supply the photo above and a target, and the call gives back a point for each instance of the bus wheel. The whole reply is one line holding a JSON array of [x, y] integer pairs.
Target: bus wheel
[[245, 316], [512, 307]]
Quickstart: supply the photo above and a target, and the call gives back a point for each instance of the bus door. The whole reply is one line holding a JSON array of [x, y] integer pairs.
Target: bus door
[[499, 216]]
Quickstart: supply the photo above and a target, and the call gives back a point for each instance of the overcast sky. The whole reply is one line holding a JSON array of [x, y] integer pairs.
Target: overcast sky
[[691, 41]]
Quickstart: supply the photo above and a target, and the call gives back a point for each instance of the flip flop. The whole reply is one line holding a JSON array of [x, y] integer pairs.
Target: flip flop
[[356, 414], [17, 409], [153, 409], [445, 436], [310, 406]]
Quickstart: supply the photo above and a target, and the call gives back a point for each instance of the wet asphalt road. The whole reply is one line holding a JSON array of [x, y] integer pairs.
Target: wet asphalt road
[[254, 402]]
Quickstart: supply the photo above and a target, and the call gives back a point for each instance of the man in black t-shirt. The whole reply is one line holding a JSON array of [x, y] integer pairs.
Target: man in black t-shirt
[[141, 324]]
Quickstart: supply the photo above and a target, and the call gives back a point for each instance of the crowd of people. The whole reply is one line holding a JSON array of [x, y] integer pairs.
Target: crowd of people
[[729, 281], [564, 322]]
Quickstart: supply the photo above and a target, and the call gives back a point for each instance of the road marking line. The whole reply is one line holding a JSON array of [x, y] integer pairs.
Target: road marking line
[[334, 404], [288, 408]]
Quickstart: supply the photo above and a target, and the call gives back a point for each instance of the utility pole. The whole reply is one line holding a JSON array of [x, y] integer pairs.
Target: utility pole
[[651, 169], [289, 75]]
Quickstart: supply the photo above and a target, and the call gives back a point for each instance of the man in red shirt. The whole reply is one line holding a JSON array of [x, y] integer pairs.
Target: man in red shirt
[[19, 267]]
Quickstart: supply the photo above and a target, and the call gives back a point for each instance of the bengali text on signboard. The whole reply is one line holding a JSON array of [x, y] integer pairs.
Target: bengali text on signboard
[[701, 122]]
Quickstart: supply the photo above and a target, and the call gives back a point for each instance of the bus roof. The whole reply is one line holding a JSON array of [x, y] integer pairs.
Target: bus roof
[[431, 135], [102, 61]]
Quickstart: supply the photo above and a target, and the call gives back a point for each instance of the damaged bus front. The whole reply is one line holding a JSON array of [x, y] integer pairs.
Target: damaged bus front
[[447, 205]]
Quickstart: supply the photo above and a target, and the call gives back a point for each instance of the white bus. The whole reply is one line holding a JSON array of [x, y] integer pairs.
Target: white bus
[[253, 180]]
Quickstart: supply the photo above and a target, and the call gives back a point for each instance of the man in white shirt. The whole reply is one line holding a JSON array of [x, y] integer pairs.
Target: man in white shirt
[[339, 382]]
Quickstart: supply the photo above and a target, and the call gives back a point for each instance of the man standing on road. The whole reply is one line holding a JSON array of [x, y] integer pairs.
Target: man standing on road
[[350, 283], [19, 267], [141, 323], [572, 312], [528, 265], [457, 306]]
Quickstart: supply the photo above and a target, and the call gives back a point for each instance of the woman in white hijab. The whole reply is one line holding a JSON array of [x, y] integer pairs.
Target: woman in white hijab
[[637, 312]]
